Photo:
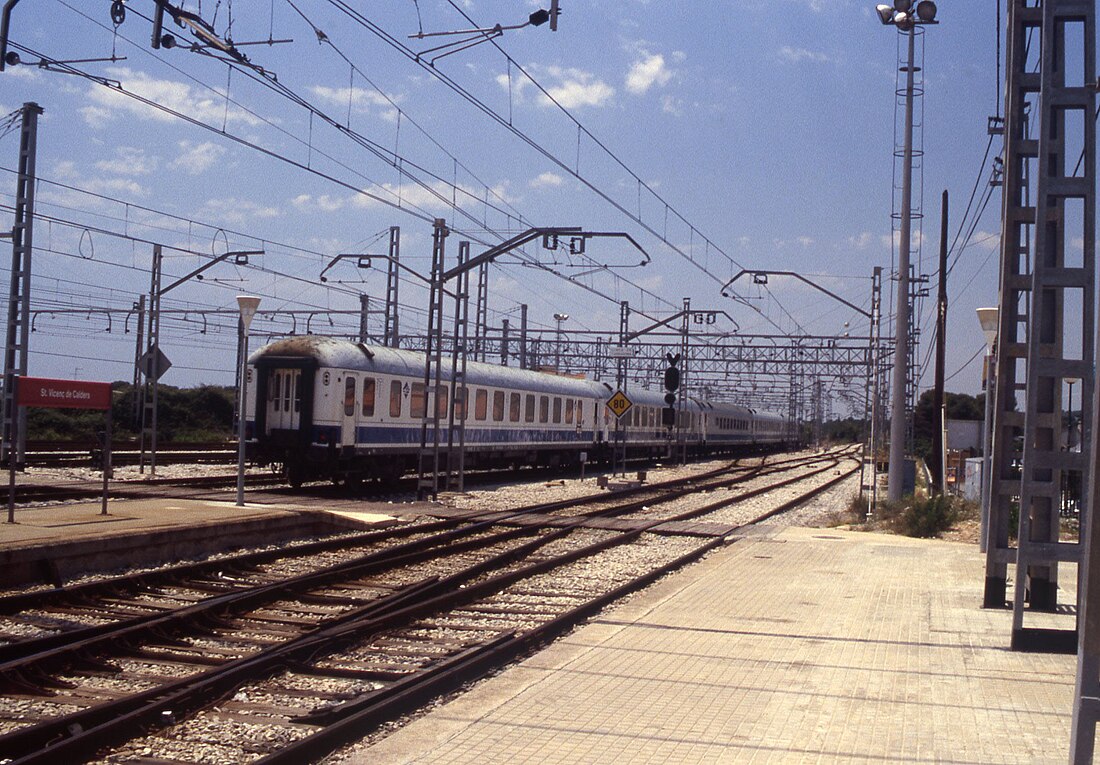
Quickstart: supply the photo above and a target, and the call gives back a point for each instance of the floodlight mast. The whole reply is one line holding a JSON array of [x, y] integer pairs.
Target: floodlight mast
[[903, 16]]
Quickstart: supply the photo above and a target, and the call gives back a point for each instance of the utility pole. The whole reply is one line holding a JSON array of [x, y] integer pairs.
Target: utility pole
[[898, 412], [391, 333], [939, 447], [523, 336], [19, 292]]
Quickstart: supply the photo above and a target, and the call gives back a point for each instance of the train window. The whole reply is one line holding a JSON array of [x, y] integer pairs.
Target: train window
[[349, 396], [568, 411], [580, 411], [276, 379], [297, 391], [513, 408], [395, 398], [418, 401], [544, 408], [273, 387], [498, 406], [441, 402], [286, 392], [460, 404], [368, 397], [481, 404], [529, 408], [557, 409]]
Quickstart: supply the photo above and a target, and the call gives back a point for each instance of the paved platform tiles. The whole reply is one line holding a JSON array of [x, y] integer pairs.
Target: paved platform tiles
[[55, 543], [804, 646]]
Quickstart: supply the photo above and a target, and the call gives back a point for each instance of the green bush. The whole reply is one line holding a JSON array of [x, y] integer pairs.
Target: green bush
[[928, 517]]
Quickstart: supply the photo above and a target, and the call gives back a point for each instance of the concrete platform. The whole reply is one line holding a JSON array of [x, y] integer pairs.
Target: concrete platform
[[56, 542], [807, 645]]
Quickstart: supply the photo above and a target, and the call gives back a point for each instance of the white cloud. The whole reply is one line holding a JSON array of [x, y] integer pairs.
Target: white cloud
[[798, 55], [437, 197], [65, 168], [672, 105], [24, 72], [862, 240], [572, 87], [197, 158], [201, 104], [547, 179], [805, 242], [323, 203], [114, 186], [648, 71], [361, 100], [237, 211], [128, 160]]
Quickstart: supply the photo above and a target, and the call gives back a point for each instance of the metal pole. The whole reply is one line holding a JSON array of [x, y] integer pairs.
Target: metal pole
[[107, 455], [939, 444], [11, 462], [364, 312], [19, 287], [242, 409], [557, 343], [139, 307], [523, 336], [901, 332], [392, 330]]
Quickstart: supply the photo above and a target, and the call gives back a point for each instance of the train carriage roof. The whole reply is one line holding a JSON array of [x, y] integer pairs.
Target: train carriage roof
[[336, 353]]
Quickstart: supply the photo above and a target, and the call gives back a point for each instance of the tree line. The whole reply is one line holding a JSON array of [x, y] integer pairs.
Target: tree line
[[203, 414]]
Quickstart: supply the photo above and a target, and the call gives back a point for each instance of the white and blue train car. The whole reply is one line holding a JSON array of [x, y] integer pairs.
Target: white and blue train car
[[325, 407], [329, 408]]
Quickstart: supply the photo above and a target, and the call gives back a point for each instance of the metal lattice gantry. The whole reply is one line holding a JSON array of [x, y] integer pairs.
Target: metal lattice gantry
[[1047, 319], [18, 334]]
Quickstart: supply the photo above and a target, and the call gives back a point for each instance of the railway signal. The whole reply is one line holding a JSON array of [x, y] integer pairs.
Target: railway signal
[[672, 383]]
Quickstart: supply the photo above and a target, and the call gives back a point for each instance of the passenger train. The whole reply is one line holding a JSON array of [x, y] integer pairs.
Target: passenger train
[[325, 408]]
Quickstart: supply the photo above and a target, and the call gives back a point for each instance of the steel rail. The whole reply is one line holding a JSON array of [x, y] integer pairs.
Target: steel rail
[[89, 724]]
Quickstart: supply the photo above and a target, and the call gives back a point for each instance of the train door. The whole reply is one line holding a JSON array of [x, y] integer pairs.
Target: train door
[[347, 432], [284, 399]]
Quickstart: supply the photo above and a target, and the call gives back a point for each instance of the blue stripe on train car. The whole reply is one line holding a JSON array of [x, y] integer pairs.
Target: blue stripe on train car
[[389, 435]]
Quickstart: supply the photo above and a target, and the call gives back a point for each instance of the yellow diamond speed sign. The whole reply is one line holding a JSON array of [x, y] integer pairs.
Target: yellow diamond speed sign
[[619, 404]]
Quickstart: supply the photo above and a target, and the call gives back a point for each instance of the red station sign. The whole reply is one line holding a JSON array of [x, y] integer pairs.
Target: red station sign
[[62, 394]]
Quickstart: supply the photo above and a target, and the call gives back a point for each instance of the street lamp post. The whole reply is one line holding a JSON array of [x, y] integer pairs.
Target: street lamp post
[[247, 305], [988, 318], [903, 16], [559, 318]]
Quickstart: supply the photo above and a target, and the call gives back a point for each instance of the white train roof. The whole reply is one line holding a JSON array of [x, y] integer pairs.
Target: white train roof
[[336, 353], [344, 354]]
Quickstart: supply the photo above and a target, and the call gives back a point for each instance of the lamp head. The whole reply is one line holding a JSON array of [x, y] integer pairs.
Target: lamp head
[[247, 305], [903, 6], [926, 11], [988, 318], [539, 17]]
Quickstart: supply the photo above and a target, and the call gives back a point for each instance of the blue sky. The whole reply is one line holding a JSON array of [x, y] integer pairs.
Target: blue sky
[[767, 128]]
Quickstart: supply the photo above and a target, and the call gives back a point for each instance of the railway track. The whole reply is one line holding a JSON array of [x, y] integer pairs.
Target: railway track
[[292, 653], [53, 454], [68, 491]]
